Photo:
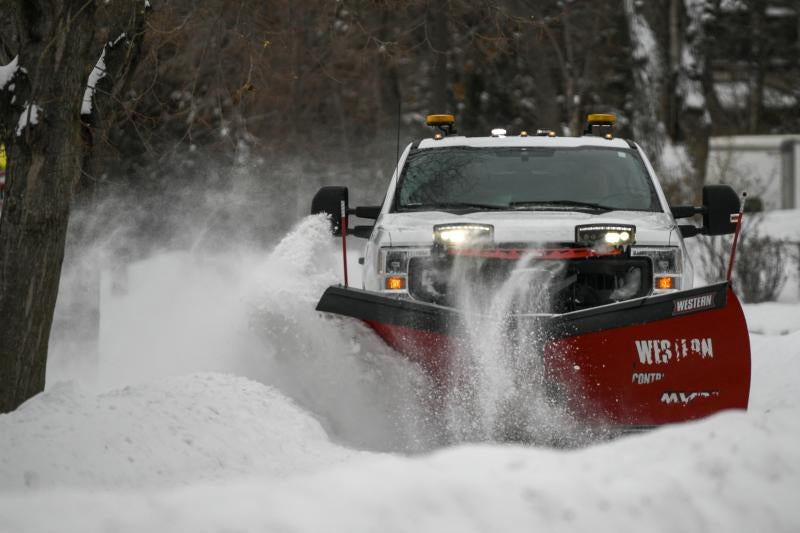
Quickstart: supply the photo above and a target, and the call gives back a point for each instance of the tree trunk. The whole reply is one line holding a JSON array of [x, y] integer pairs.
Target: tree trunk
[[44, 164], [40, 123], [758, 65], [388, 83], [696, 87], [564, 60], [648, 76], [439, 42], [675, 39], [571, 82]]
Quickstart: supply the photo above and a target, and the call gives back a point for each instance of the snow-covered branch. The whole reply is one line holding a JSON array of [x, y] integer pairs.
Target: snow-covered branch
[[7, 72]]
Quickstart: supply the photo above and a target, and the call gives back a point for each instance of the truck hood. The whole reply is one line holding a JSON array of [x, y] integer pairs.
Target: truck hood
[[416, 228]]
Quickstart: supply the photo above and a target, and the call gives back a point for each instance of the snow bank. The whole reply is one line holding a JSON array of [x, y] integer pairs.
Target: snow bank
[[775, 370], [173, 432], [772, 318], [734, 472], [214, 452]]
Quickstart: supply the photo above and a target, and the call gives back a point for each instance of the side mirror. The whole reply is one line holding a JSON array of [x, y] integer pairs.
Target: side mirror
[[720, 202], [329, 200]]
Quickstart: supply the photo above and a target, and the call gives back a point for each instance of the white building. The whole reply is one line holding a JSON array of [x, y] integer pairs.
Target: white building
[[766, 166]]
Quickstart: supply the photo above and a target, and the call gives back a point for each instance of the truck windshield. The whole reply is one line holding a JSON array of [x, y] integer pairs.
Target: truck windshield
[[526, 178]]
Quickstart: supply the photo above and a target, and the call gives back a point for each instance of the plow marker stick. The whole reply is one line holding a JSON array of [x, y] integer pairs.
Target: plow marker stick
[[343, 225], [736, 235]]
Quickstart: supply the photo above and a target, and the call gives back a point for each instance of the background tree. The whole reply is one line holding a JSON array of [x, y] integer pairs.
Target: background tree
[[268, 85], [279, 97], [55, 46]]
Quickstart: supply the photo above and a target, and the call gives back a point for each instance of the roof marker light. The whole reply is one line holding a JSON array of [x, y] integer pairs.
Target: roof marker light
[[601, 118], [523, 133], [446, 124], [436, 120], [600, 124]]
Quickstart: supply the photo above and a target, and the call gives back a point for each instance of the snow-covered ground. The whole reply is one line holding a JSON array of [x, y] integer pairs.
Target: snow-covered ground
[[219, 401]]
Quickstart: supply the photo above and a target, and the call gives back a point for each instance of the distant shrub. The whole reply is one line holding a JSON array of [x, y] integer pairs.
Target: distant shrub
[[759, 272]]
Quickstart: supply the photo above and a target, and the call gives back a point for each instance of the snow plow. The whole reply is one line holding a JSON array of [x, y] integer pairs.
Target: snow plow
[[576, 238]]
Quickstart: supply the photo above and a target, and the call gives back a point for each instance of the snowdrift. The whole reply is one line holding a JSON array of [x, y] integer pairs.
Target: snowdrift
[[175, 431], [165, 436], [733, 472]]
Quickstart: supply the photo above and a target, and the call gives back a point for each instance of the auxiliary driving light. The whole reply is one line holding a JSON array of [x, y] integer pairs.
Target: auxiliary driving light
[[607, 234], [462, 235]]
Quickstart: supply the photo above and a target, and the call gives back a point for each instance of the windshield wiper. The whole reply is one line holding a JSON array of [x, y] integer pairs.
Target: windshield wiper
[[456, 205], [545, 204]]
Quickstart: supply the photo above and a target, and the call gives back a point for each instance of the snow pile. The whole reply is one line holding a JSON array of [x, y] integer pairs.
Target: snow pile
[[775, 368], [213, 452], [733, 472], [175, 431], [772, 318]]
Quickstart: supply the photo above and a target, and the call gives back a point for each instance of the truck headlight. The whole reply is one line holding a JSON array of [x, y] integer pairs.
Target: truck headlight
[[667, 265], [605, 234], [393, 266], [447, 236]]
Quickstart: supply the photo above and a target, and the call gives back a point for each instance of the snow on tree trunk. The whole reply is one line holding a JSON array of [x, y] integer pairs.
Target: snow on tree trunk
[[648, 78]]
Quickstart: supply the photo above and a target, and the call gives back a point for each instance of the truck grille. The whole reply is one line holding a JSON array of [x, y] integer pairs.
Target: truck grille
[[538, 286]]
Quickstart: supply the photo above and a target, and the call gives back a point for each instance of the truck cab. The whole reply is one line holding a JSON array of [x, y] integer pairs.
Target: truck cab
[[584, 218]]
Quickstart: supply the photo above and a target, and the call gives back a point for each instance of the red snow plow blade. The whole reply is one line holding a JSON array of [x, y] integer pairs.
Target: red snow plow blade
[[642, 362]]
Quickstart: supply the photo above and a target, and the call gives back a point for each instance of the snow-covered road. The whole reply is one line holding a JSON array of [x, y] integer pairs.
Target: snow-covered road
[[234, 408]]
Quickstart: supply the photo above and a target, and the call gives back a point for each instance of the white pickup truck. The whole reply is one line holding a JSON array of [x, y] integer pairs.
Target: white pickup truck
[[541, 198], [575, 238]]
